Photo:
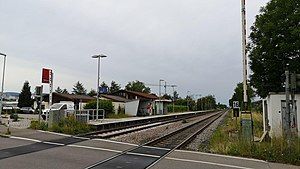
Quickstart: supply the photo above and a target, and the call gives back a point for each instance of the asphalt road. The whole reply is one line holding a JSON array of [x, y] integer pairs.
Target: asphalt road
[[29, 149]]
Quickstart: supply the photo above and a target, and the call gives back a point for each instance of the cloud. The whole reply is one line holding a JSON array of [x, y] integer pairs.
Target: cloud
[[194, 44]]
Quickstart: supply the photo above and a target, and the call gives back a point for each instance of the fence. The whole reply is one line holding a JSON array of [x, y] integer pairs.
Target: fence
[[84, 115]]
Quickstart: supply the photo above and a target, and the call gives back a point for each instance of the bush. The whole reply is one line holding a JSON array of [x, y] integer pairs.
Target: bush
[[225, 140], [38, 126], [14, 116], [177, 108], [103, 104], [70, 125]]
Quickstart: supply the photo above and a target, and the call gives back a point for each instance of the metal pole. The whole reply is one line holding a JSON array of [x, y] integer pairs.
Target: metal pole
[[286, 117], [165, 87], [245, 62], [98, 79], [40, 105], [51, 88], [173, 97], [2, 86], [187, 101]]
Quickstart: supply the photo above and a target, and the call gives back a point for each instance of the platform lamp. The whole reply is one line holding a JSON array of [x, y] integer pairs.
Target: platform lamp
[[2, 86], [98, 77]]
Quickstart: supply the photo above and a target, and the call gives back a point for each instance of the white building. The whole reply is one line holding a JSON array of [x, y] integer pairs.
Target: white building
[[273, 107]]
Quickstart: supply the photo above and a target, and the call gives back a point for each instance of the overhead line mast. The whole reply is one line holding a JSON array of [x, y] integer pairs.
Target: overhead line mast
[[245, 60]]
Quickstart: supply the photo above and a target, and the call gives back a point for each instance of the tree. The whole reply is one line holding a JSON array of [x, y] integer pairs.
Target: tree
[[103, 84], [206, 103], [79, 89], [275, 41], [239, 95], [92, 93], [65, 91], [137, 86], [114, 87], [25, 99], [58, 90], [175, 95]]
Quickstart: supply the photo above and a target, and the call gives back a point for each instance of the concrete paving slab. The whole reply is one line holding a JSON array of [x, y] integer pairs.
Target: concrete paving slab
[[56, 158]]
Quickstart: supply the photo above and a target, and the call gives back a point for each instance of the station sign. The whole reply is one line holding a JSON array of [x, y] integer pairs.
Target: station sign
[[46, 75]]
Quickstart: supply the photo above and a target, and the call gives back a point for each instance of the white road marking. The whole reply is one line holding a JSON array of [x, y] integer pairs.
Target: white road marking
[[50, 132], [61, 134], [205, 162], [141, 154], [220, 155], [159, 148], [53, 143], [27, 139], [111, 141], [94, 148]]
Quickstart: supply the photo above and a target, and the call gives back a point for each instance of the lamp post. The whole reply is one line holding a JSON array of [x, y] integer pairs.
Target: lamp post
[[187, 100], [2, 86], [159, 105], [98, 78], [173, 86]]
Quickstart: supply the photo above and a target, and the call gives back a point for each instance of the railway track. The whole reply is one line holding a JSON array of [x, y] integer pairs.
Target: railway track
[[125, 130], [148, 154], [185, 135]]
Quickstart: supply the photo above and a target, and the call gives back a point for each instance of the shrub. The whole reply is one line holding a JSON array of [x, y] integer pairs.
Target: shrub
[[177, 108], [38, 126], [14, 116], [103, 104], [70, 125]]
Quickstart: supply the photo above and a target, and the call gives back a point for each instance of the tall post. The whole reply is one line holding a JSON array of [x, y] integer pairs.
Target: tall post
[[165, 87], [40, 105], [245, 61], [173, 98], [98, 81], [2, 86], [187, 101], [51, 87], [286, 116]]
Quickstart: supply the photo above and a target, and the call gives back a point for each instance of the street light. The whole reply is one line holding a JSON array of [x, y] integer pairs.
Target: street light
[[159, 105], [187, 100], [98, 78], [2, 86], [173, 86]]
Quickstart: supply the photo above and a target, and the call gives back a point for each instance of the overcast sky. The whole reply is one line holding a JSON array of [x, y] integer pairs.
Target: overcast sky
[[195, 44]]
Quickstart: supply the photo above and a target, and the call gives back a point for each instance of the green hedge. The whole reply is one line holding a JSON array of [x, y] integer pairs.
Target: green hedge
[[177, 108], [103, 104]]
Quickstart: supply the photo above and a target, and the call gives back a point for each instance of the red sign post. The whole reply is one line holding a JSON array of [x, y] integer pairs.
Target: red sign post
[[46, 75]]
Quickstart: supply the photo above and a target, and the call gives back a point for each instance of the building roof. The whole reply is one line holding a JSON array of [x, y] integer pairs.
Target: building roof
[[115, 98], [140, 94], [73, 97]]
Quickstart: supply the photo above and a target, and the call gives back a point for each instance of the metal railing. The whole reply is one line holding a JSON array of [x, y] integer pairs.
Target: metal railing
[[84, 115]]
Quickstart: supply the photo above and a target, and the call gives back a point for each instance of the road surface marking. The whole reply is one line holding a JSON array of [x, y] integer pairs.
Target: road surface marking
[[142, 154], [94, 148], [159, 148], [111, 141], [27, 139], [220, 155], [205, 162], [53, 143]]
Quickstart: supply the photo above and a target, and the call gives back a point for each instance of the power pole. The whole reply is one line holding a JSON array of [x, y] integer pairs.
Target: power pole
[[245, 61], [286, 115]]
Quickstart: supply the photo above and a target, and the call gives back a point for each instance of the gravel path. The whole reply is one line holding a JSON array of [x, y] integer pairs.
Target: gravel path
[[201, 142], [143, 136]]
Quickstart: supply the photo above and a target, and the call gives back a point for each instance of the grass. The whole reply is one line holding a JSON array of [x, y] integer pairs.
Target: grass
[[117, 116], [226, 140], [68, 125]]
